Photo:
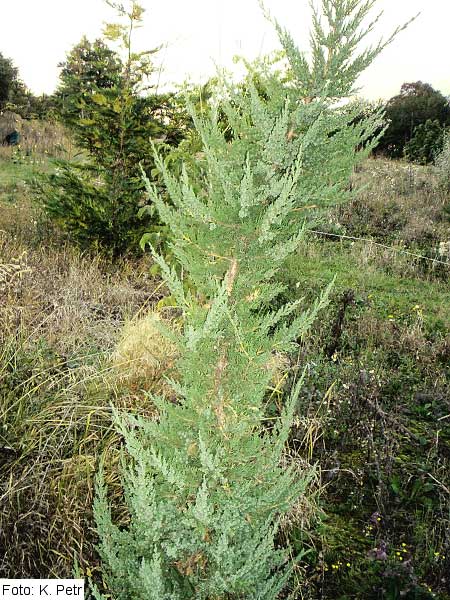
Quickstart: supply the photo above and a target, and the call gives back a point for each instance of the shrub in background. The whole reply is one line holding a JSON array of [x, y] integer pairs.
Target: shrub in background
[[10, 84], [97, 199], [442, 164], [204, 482], [416, 103], [90, 68], [426, 143]]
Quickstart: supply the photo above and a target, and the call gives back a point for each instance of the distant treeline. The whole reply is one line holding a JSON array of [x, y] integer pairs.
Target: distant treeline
[[417, 117]]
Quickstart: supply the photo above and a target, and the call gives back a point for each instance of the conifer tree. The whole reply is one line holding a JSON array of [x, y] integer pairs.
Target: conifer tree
[[204, 482], [97, 198]]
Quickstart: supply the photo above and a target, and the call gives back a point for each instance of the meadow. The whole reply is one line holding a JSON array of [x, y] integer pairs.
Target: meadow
[[78, 336]]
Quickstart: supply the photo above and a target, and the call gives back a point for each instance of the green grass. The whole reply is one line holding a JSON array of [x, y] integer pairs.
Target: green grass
[[386, 427], [15, 178], [389, 294], [15, 173]]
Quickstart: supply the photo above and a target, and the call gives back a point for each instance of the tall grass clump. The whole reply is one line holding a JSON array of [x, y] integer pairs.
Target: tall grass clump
[[207, 482]]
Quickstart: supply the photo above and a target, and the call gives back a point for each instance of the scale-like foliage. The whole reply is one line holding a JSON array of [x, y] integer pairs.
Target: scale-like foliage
[[204, 482]]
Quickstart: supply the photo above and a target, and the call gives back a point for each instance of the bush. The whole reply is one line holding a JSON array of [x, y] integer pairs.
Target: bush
[[442, 163], [417, 103], [10, 84], [426, 143], [99, 212], [97, 199]]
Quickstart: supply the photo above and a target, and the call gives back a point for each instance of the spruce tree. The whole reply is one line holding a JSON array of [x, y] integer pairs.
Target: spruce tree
[[97, 198], [204, 481]]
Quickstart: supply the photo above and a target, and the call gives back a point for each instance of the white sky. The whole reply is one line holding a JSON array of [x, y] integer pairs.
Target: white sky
[[37, 34]]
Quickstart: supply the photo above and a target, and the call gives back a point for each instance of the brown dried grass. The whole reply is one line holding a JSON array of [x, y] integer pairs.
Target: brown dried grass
[[61, 315], [36, 137]]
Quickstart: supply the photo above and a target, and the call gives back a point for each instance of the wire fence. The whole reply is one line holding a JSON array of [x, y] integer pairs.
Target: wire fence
[[386, 247]]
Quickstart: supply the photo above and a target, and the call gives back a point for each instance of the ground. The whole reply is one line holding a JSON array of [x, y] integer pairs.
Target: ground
[[373, 417]]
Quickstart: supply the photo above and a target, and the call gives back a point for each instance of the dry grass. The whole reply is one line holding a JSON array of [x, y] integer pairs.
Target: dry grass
[[55, 424], [37, 138], [397, 202], [144, 355], [61, 316], [73, 300], [61, 426]]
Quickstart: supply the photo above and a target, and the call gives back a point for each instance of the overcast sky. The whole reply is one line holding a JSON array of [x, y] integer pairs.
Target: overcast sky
[[37, 34]]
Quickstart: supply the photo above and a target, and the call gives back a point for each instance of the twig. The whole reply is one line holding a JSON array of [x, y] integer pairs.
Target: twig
[[440, 484]]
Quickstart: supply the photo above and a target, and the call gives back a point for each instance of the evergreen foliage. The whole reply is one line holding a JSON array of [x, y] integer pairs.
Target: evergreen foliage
[[336, 61], [426, 143], [16, 97], [417, 103], [442, 163], [314, 98], [101, 101], [205, 483], [90, 72], [9, 80], [211, 474]]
